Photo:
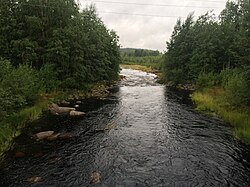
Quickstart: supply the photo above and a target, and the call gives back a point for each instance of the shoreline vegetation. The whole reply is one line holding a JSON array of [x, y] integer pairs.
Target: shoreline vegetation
[[212, 53], [50, 50], [12, 126], [212, 101]]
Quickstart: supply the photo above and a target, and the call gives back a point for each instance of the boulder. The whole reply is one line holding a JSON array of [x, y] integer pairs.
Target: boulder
[[65, 109], [44, 135], [56, 110], [78, 102], [51, 136], [54, 137], [76, 113]]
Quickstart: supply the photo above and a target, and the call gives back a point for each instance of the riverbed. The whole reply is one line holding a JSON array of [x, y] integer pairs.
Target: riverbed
[[143, 134]]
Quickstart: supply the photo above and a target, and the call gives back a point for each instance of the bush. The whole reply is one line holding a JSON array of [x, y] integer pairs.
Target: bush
[[207, 80], [18, 87], [48, 78], [237, 88]]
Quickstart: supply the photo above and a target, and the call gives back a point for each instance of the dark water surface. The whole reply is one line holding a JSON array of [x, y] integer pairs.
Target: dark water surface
[[155, 138]]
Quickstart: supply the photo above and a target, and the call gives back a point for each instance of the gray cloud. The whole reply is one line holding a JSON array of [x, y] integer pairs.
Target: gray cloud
[[149, 32]]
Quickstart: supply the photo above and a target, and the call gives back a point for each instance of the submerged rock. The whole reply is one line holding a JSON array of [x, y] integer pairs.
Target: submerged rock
[[36, 155], [109, 126], [65, 136], [19, 154], [34, 179], [51, 136], [95, 178], [44, 135], [65, 102]]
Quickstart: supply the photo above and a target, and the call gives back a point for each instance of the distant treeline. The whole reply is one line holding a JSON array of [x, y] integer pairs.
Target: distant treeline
[[138, 52], [51, 45], [213, 52], [145, 57]]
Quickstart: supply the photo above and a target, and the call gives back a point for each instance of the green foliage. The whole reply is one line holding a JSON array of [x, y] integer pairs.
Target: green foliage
[[179, 52], [236, 87], [150, 61], [48, 80], [207, 80], [76, 43], [138, 52], [11, 126], [18, 86], [202, 51], [211, 101], [49, 45]]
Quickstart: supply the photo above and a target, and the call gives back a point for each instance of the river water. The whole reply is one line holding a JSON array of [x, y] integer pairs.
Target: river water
[[152, 137]]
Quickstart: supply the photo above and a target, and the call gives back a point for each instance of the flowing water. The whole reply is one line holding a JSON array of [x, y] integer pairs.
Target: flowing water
[[142, 135]]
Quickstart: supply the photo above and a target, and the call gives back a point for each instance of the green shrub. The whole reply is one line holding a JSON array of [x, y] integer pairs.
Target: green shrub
[[207, 80], [236, 84], [48, 78], [18, 87], [237, 89]]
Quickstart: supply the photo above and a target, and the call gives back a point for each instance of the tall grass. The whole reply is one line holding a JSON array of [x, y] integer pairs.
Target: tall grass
[[11, 126], [154, 62], [213, 101]]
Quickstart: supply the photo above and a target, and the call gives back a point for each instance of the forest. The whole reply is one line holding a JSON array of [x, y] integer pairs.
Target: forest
[[214, 55], [144, 57], [49, 50], [46, 46]]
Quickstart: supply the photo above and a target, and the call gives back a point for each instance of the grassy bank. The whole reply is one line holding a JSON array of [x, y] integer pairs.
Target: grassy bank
[[147, 69], [12, 126], [151, 65], [213, 102]]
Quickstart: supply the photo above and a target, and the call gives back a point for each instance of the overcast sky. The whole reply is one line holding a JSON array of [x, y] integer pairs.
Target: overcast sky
[[150, 32]]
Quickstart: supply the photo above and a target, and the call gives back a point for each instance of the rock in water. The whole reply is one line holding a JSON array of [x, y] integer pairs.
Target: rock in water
[[53, 108], [76, 113], [44, 135], [34, 179], [53, 137], [56, 110], [95, 178], [65, 109], [65, 102]]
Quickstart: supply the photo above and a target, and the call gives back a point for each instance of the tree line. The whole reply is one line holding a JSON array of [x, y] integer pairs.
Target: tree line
[[212, 51], [49, 45], [138, 52], [144, 57]]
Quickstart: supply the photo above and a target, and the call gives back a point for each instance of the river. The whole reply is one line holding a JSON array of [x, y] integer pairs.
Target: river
[[144, 134]]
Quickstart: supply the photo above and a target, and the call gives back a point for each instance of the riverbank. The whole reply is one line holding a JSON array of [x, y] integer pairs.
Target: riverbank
[[12, 126], [213, 101]]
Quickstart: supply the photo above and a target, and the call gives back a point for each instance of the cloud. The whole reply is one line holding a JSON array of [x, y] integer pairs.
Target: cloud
[[148, 32]]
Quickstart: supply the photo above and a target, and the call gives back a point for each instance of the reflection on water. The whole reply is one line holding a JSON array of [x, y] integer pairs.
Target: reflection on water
[[155, 139]]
